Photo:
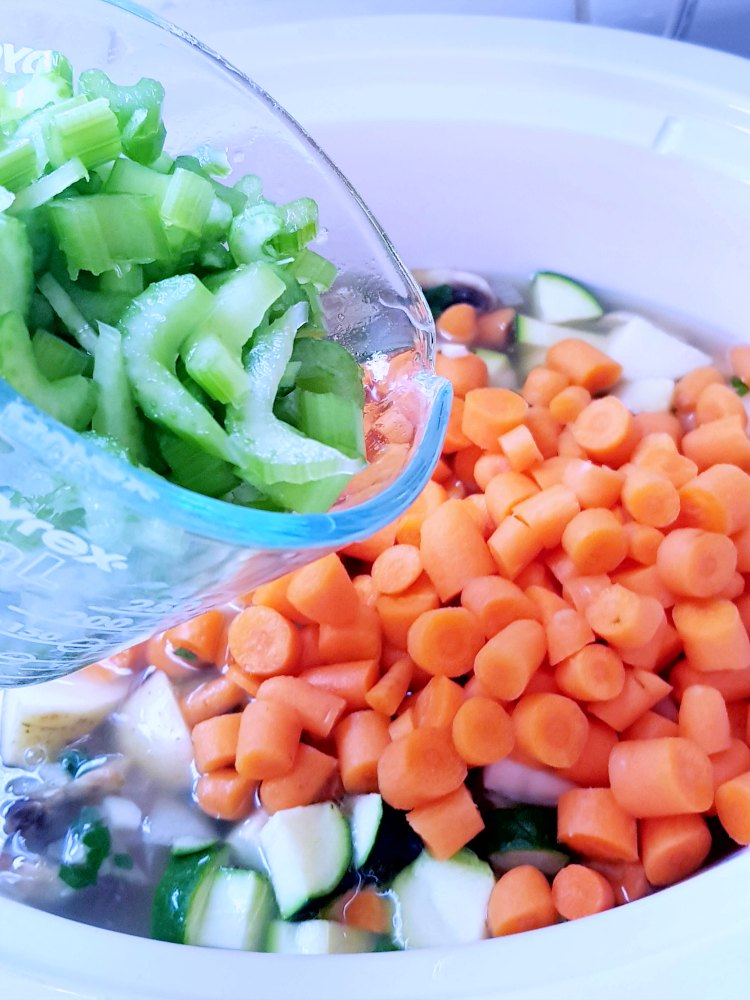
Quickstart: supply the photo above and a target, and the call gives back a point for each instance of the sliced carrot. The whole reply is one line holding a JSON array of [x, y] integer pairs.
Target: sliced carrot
[[578, 891], [595, 540], [442, 473], [535, 574], [649, 726], [453, 549], [397, 613], [465, 372], [202, 636], [225, 794], [690, 386], [650, 498], [214, 697], [244, 679], [520, 448], [496, 602], [263, 642], [178, 664], [580, 591], [739, 361], [643, 542], [568, 403], [360, 740], [717, 500], [544, 429], [673, 847], [487, 466], [593, 823], [594, 485], [606, 431], [567, 633], [435, 706], [482, 731], [387, 694], [447, 824], [495, 328], [408, 527], [730, 763], [506, 663], [718, 401], [350, 681], [361, 639], [215, 742], [367, 592], [396, 569], [520, 901], [548, 513], [560, 565], [454, 438], [591, 770], [318, 710], [458, 323], [323, 592], [733, 684], [624, 618], [490, 412], [514, 545], [418, 768], [660, 422], [584, 364], [550, 472], [696, 563], [505, 490], [661, 777], [593, 673], [268, 739], [739, 719], [733, 807], [309, 646], [550, 728], [542, 385], [445, 641], [640, 692], [568, 447], [713, 635], [658, 453], [721, 441], [704, 718], [273, 595], [546, 601], [310, 780], [464, 462], [367, 909]]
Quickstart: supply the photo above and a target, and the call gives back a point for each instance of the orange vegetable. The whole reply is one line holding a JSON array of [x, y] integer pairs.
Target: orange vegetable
[[496, 602], [593, 673], [544, 429], [465, 372], [624, 618], [263, 642], [520, 448], [628, 879], [458, 323], [658, 423], [696, 563], [594, 485], [717, 500], [542, 385], [593, 823], [482, 731], [520, 901], [505, 490], [641, 691], [606, 431], [673, 847], [730, 763], [387, 694], [214, 697], [649, 497], [739, 360], [704, 718], [720, 441], [202, 636], [490, 412], [447, 824], [215, 742], [487, 466], [318, 710], [658, 453], [580, 591], [435, 706], [550, 728], [350, 681], [567, 633], [584, 364], [453, 549], [548, 513], [568, 403], [225, 794], [578, 891], [733, 684], [712, 634], [402, 724], [661, 777], [361, 639], [398, 612], [495, 327], [690, 386], [269, 735], [360, 740], [418, 768], [591, 770], [716, 402], [311, 779], [595, 541], [445, 641], [396, 569], [506, 663], [454, 438], [323, 592], [273, 595], [464, 462], [649, 726], [514, 545], [733, 807]]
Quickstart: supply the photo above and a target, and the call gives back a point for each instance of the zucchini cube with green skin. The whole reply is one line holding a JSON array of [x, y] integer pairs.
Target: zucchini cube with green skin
[[183, 893]]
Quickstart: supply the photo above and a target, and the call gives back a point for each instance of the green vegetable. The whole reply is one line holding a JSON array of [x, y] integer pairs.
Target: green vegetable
[[740, 387], [182, 894], [87, 845], [438, 298]]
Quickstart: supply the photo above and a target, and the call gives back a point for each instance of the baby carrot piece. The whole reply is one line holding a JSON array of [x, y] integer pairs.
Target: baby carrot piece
[[214, 697], [580, 591], [544, 429], [584, 364], [568, 403], [453, 549], [704, 718], [494, 328], [550, 728], [650, 726], [690, 386], [200, 636], [367, 592], [496, 602], [396, 569], [514, 545], [505, 490], [464, 462], [318, 710], [215, 742], [435, 706], [361, 639], [268, 738], [578, 891], [650, 498], [643, 542], [673, 847], [548, 513], [696, 563], [360, 740], [323, 592], [419, 768], [646, 580], [641, 691], [594, 485], [487, 466], [542, 385], [661, 777], [567, 633], [263, 642], [455, 439], [606, 431], [398, 612], [482, 731], [225, 794], [520, 901], [465, 372], [445, 641], [592, 822], [309, 646], [713, 635], [366, 909], [568, 447], [658, 453], [273, 595], [505, 664], [716, 500], [350, 681], [387, 694], [721, 441], [520, 448], [447, 824], [311, 779], [595, 541], [490, 412], [716, 402], [402, 725], [591, 770], [628, 879], [550, 472], [733, 684], [733, 807], [547, 601], [624, 618], [659, 422], [730, 763], [594, 673], [739, 361], [458, 323]]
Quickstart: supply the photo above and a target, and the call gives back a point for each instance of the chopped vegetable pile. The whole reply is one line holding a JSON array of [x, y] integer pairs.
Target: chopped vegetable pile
[[175, 317], [523, 702]]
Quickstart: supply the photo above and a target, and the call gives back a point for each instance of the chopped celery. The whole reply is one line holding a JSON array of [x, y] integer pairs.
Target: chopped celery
[[115, 416], [308, 498], [49, 186], [18, 165], [25, 93], [309, 268], [69, 314], [57, 359], [70, 400], [213, 161], [215, 368], [89, 132], [41, 313], [137, 109], [16, 267], [326, 366], [241, 303], [331, 419], [195, 470], [126, 280], [187, 201]]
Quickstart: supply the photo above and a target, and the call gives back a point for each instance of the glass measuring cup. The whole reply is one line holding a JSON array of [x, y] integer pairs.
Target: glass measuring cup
[[96, 554]]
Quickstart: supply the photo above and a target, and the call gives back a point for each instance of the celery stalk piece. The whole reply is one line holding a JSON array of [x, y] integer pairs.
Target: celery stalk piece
[[273, 232], [215, 369], [137, 109], [195, 470], [89, 132], [101, 232], [272, 451], [334, 420], [126, 280], [309, 268], [70, 400], [57, 359], [16, 267], [49, 186], [187, 202], [154, 328], [66, 309], [115, 416], [18, 165], [23, 93]]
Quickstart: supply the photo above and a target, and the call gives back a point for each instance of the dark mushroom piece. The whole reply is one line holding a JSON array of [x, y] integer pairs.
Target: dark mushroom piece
[[443, 287]]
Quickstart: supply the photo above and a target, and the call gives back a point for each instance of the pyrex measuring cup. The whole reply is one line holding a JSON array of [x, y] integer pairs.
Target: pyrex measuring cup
[[96, 554]]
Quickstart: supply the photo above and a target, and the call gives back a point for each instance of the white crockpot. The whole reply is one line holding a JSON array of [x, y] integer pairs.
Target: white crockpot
[[501, 146]]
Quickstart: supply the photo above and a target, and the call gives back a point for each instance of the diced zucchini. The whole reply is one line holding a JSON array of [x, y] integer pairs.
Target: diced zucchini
[[555, 298], [308, 851], [532, 332], [442, 903], [645, 351], [500, 371], [237, 912], [182, 895], [319, 937], [244, 841], [365, 814], [522, 835]]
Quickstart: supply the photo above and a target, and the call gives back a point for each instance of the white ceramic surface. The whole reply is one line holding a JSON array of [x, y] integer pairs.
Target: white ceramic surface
[[499, 145]]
